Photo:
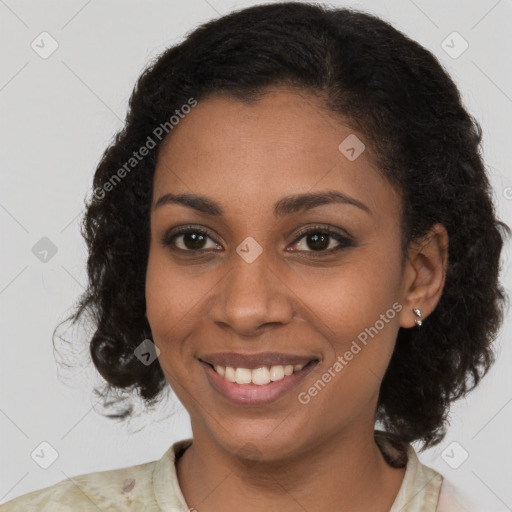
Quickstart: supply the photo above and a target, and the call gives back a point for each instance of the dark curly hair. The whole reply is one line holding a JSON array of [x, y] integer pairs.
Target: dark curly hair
[[423, 140]]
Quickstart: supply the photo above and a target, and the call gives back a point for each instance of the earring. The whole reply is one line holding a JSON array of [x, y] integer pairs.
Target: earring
[[417, 321]]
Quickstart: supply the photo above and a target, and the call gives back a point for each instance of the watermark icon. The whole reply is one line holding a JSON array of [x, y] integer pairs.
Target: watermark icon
[[250, 453], [454, 45], [44, 45], [44, 250], [137, 156], [147, 352], [304, 397], [44, 455], [249, 249], [351, 147], [454, 455], [507, 193]]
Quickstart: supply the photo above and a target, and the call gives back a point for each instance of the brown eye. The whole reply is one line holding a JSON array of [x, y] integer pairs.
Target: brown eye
[[322, 240], [192, 240], [317, 241]]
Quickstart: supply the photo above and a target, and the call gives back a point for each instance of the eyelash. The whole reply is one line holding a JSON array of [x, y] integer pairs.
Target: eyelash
[[344, 241]]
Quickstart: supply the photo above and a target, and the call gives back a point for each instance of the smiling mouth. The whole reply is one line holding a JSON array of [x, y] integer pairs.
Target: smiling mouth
[[259, 376]]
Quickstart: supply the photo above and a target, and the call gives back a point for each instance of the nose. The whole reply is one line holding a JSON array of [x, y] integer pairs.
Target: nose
[[252, 297]]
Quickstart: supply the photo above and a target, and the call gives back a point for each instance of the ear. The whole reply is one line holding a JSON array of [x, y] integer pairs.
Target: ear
[[424, 274]]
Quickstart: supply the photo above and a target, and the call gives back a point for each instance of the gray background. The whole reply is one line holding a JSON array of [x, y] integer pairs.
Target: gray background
[[57, 116]]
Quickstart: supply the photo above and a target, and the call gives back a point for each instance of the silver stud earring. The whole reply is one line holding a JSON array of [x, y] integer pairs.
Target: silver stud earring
[[417, 321]]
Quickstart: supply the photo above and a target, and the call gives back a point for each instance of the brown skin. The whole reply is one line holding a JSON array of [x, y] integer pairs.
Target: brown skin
[[320, 456]]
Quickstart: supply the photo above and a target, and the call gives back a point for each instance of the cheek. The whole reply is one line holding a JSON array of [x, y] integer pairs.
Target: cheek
[[169, 293], [361, 325], [166, 302], [357, 312], [354, 296], [175, 301]]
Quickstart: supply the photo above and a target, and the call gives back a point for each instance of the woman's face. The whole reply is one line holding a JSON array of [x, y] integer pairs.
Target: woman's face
[[255, 285]]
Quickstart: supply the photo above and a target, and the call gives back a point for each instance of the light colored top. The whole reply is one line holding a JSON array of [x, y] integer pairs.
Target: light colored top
[[154, 486]]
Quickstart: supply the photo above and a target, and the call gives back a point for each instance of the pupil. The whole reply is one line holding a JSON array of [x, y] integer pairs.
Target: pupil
[[193, 241], [314, 239]]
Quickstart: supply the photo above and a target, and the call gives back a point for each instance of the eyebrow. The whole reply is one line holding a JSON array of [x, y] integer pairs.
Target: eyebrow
[[285, 206]]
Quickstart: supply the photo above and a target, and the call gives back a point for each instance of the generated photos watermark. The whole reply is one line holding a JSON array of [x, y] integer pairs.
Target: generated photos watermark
[[305, 397], [158, 133]]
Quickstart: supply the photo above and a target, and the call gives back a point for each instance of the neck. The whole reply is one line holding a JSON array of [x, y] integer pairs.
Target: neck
[[342, 473]]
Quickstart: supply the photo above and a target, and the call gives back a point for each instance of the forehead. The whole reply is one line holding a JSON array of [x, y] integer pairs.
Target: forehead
[[285, 143]]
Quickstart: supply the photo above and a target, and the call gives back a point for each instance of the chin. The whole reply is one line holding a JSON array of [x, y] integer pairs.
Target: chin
[[260, 440]]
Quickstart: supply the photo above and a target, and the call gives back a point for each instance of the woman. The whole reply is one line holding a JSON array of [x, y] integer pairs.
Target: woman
[[296, 220]]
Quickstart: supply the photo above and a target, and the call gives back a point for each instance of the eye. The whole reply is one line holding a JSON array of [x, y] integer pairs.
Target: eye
[[192, 240], [320, 239]]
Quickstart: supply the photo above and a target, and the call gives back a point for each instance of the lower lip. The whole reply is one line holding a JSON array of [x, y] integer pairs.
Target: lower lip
[[252, 394]]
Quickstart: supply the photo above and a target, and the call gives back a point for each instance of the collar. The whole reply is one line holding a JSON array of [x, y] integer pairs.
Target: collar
[[419, 491]]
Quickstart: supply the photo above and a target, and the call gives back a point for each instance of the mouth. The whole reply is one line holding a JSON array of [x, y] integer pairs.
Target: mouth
[[258, 376], [258, 384]]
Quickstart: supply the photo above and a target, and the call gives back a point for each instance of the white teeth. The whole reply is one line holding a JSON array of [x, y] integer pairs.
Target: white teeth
[[288, 370], [242, 376], [230, 374], [276, 373], [259, 376]]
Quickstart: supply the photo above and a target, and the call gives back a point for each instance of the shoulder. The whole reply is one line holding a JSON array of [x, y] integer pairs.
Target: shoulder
[[116, 489], [421, 485], [423, 489], [451, 499]]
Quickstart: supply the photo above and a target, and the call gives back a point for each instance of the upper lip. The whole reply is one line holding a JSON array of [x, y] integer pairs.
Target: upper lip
[[251, 361]]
